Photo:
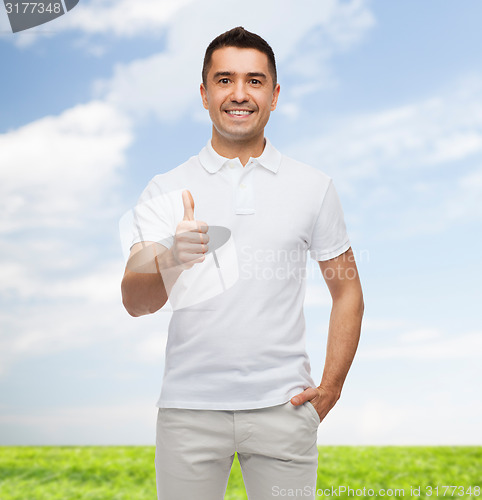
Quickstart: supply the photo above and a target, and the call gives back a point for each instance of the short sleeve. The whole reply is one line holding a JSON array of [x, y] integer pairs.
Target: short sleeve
[[153, 216], [329, 237]]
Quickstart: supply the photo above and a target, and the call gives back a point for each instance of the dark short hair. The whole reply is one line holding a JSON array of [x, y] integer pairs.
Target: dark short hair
[[243, 39]]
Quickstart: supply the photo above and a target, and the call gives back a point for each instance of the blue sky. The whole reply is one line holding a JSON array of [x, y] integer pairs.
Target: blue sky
[[385, 97]]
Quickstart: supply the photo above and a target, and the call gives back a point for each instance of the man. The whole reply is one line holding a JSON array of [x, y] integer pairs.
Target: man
[[237, 376]]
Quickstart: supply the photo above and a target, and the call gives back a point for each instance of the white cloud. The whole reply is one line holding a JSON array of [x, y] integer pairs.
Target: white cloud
[[59, 291], [349, 23], [421, 334], [83, 320], [427, 344], [56, 186], [382, 324], [427, 133], [450, 420], [151, 348], [165, 84], [123, 18], [24, 281], [5, 29], [130, 423], [55, 170], [428, 152], [119, 18], [464, 203], [317, 295]]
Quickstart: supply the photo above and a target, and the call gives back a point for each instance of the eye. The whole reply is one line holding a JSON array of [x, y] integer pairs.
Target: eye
[[224, 80], [254, 81]]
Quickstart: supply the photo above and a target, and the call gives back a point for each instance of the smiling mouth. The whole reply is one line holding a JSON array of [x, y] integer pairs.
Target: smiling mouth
[[238, 112]]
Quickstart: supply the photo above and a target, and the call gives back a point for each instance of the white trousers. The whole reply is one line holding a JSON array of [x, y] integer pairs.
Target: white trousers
[[276, 448]]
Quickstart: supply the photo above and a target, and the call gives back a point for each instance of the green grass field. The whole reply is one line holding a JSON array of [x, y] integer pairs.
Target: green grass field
[[127, 472]]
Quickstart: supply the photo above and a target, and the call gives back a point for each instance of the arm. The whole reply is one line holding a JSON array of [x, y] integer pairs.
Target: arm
[[341, 277], [146, 283], [152, 269]]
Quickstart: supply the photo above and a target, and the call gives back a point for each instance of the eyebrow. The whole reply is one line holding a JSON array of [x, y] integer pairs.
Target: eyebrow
[[252, 74]]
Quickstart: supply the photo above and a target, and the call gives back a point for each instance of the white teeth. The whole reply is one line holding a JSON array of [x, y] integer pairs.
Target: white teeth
[[237, 112]]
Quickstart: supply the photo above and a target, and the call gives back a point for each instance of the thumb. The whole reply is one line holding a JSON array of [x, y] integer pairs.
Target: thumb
[[304, 396], [188, 203]]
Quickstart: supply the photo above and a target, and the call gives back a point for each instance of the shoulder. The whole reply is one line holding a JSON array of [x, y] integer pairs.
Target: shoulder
[[172, 179], [305, 173]]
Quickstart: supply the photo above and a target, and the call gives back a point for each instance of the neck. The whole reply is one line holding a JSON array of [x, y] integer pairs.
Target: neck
[[244, 150]]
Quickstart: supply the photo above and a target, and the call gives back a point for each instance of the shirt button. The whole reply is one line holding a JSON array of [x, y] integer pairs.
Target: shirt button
[[242, 186]]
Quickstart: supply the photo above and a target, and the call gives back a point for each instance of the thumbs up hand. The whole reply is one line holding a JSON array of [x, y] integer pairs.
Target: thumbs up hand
[[190, 242]]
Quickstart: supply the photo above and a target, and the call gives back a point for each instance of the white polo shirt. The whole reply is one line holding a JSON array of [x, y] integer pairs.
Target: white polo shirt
[[243, 347]]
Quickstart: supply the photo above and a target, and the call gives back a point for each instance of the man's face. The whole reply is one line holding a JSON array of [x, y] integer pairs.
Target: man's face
[[239, 93]]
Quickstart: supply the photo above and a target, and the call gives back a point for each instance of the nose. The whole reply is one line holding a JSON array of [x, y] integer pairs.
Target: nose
[[239, 93]]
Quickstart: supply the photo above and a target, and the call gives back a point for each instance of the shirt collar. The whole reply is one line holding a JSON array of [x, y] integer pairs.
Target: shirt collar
[[212, 161]]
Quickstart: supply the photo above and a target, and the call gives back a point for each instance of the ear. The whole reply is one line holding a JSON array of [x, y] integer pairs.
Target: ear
[[274, 100], [204, 96]]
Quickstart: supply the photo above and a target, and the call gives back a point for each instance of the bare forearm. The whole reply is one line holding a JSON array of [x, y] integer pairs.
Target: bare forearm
[[341, 276], [145, 292], [142, 293], [343, 336]]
